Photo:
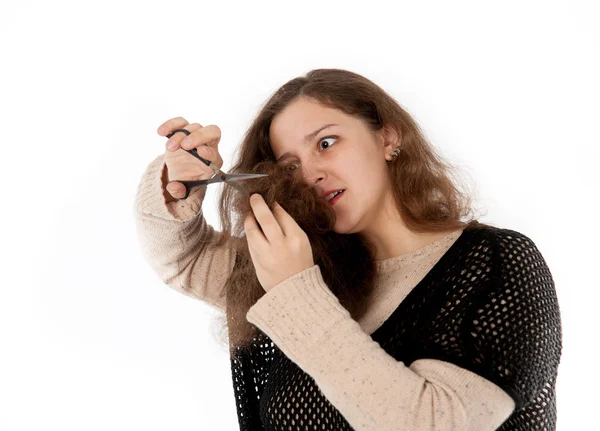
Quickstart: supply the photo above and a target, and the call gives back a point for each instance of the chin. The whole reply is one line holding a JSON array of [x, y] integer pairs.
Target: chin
[[343, 226], [346, 222]]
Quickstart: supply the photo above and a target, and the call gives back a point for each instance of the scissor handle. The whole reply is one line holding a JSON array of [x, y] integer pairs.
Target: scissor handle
[[189, 185], [194, 151], [230, 179]]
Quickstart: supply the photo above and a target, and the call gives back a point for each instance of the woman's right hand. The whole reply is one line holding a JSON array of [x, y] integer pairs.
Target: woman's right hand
[[182, 165]]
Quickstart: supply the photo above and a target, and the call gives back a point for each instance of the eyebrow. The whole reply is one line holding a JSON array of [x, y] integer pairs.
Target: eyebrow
[[307, 139]]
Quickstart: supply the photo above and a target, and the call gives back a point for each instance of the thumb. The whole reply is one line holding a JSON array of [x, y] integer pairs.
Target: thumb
[[175, 188]]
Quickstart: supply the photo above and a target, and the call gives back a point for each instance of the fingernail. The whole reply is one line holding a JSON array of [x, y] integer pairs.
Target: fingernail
[[171, 145]]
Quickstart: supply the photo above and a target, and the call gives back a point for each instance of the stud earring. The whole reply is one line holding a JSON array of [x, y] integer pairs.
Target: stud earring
[[394, 154]]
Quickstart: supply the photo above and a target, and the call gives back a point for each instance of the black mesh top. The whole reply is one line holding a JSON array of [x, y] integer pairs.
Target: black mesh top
[[488, 305]]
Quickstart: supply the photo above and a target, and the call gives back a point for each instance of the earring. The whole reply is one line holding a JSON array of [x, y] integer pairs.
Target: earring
[[394, 154]]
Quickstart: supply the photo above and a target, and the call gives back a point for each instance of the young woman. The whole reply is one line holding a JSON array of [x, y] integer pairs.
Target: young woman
[[461, 327]]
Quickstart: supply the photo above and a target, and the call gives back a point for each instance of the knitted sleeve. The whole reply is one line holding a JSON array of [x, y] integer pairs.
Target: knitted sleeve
[[177, 241], [515, 325]]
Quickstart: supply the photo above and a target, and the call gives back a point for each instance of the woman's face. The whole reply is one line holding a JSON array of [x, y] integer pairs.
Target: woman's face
[[345, 155]]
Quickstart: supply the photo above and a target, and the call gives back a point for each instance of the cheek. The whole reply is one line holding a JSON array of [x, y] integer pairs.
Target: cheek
[[367, 189], [359, 178]]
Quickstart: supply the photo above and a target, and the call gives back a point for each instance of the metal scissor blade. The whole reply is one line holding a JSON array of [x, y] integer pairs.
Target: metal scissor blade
[[221, 178], [232, 180], [243, 177]]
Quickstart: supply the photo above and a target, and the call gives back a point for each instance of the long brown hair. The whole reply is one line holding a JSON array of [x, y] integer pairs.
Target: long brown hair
[[426, 194]]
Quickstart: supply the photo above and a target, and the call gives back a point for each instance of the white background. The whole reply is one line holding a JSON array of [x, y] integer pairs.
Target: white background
[[90, 339]]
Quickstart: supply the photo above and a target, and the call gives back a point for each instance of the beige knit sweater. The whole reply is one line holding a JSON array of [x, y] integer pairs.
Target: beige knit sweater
[[372, 390]]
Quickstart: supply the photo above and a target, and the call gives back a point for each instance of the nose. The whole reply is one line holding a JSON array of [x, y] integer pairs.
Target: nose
[[312, 175]]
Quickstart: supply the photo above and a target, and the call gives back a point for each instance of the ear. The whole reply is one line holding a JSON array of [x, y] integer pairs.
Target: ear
[[389, 138]]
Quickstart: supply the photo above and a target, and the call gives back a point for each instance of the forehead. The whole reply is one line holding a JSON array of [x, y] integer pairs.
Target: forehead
[[300, 118]]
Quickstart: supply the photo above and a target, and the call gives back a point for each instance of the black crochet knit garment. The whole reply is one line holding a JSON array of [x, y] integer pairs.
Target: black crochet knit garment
[[488, 305]]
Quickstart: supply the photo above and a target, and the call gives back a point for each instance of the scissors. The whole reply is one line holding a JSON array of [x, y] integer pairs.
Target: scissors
[[219, 177]]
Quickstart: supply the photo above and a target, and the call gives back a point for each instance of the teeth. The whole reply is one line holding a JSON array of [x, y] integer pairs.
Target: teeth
[[332, 195]]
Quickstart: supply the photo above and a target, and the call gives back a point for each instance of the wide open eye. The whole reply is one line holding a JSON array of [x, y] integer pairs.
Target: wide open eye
[[326, 138], [293, 166]]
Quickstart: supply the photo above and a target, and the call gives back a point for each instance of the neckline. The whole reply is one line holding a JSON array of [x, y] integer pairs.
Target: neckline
[[441, 264], [391, 263]]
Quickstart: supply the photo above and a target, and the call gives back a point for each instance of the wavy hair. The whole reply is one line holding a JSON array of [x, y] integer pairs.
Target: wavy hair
[[425, 192]]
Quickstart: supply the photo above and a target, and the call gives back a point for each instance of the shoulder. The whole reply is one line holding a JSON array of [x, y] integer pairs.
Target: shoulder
[[518, 260], [514, 275], [497, 234], [510, 253], [509, 240], [520, 301]]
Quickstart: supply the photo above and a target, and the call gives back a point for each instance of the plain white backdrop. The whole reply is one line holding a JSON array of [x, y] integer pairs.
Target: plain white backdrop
[[90, 339]]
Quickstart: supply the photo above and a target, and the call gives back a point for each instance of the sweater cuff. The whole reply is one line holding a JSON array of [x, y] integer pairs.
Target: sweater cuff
[[299, 314], [151, 200]]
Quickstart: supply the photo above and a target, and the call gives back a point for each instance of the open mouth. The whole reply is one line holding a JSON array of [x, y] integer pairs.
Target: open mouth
[[337, 196]]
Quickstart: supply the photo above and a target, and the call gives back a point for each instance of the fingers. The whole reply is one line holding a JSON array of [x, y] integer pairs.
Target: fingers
[[206, 141], [254, 235], [168, 126], [209, 135], [268, 223], [174, 142], [176, 189], [285, 221]]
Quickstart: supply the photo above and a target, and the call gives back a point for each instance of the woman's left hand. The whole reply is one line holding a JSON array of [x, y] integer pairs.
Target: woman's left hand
[[282, 249]]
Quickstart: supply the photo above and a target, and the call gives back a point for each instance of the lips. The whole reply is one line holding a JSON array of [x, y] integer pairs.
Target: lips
[[336, 198], [328, 192]]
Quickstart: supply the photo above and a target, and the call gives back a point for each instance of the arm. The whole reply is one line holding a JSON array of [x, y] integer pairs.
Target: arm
[[513, 339], [371, 389], [176, 240]]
